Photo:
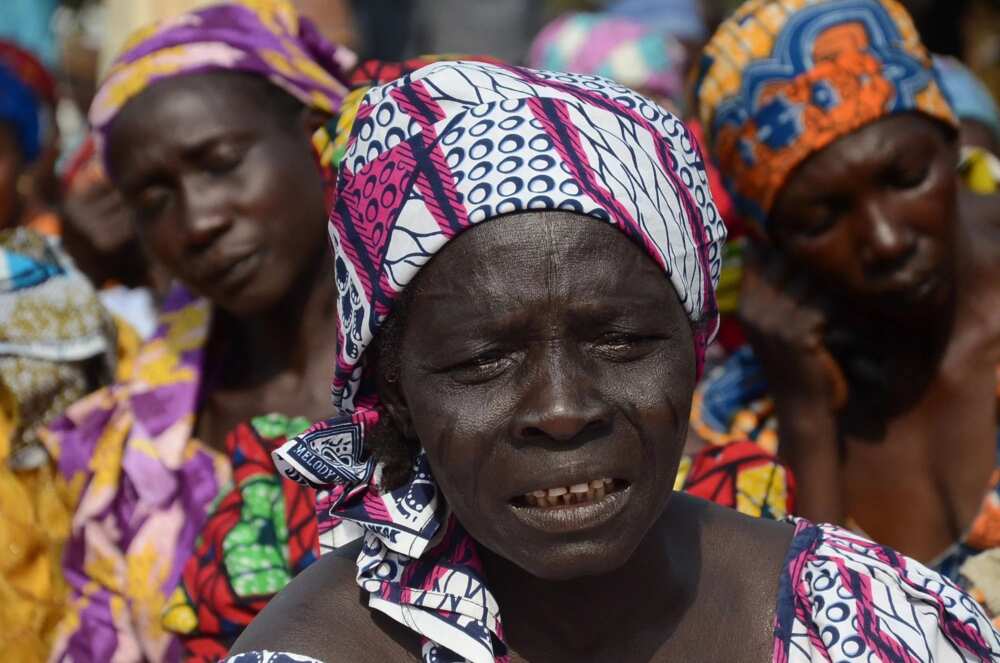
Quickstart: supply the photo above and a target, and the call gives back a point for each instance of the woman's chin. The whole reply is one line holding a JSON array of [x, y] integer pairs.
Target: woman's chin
[[573, 560]]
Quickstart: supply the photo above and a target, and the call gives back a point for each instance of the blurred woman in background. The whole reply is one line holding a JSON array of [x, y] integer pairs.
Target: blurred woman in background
[[21, 145], [183, 529], [642, 55], [40, 186], [57, 344], [872, 299]]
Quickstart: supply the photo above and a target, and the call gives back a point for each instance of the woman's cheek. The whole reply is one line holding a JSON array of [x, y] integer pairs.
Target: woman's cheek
[[160, 241], [452, 464], [438, 431], [459, 429]]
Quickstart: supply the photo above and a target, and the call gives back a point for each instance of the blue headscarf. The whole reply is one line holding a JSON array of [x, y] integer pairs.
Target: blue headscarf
[[682, 19], [969, 97], [20, 109]]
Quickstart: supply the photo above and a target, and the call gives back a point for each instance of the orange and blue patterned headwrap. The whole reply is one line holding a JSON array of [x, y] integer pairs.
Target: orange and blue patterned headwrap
[[782, 79]]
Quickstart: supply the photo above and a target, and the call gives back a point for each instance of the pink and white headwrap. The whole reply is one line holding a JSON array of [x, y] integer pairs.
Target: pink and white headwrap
[[432, 154]]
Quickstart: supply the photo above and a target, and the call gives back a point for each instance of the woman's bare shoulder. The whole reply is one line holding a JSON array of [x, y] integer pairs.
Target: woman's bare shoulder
[[323, 614]]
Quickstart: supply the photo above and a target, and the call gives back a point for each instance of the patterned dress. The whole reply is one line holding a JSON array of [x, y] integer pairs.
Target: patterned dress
[[53, 334], [260, 534], [173, 547], [733, 405], [844, 598], [170, 538]]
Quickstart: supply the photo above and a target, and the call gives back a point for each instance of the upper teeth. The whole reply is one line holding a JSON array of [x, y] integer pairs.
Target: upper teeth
[[578, 492]]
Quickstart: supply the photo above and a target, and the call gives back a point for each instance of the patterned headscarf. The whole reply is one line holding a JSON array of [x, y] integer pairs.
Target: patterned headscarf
[[431, 155], [263, 37], [30, 70], [643, 56], [331, 141], [51, 325], [782, 79]]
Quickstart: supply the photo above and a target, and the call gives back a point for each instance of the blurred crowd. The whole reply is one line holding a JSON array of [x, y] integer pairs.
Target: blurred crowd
[[168, 297]]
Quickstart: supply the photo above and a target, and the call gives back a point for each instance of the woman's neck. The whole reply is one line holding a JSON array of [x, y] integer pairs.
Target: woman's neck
[[872, 352], [641, 602], [289, 337]]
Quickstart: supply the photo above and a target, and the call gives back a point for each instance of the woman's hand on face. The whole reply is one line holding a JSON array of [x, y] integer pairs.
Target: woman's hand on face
[[99, 234], [786, 332]]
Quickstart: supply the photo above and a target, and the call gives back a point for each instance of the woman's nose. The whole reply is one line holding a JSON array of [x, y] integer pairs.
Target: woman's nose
[[560, 403], [887, 240], [204, 219]]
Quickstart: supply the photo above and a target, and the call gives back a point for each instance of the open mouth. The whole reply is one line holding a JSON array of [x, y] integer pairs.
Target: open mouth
[[573, 509], [579, 493]]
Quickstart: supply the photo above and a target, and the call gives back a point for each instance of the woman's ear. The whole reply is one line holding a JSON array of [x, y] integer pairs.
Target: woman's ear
[[390, 390], [312, 119]]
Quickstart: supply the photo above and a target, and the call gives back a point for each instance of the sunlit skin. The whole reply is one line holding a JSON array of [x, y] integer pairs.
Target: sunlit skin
[[226, 195], [548, 386], [873, 237], [539, 350]]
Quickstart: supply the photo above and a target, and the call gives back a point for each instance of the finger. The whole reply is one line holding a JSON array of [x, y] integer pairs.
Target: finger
[[838, 382]]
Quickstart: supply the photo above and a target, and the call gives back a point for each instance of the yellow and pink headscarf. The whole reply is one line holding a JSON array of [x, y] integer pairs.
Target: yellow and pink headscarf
[[263, 37], [782, 79]]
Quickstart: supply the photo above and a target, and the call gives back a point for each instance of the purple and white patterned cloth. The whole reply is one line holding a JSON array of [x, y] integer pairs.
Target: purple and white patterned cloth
[[431, 155], [844, 598]]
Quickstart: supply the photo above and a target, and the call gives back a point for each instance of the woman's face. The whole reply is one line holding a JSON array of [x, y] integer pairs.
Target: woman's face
[[219, 173], [873, 216], [546, 359]]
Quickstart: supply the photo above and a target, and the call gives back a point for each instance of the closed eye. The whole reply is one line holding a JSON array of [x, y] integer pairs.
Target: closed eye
[[224, 158], [624, 346], [481, 367], [909, 174], [151, 203], [821, 218]]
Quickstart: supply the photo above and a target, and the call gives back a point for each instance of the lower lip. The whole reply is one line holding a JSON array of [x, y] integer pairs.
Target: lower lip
[[923, 290], [238, 272], [573, 517]]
